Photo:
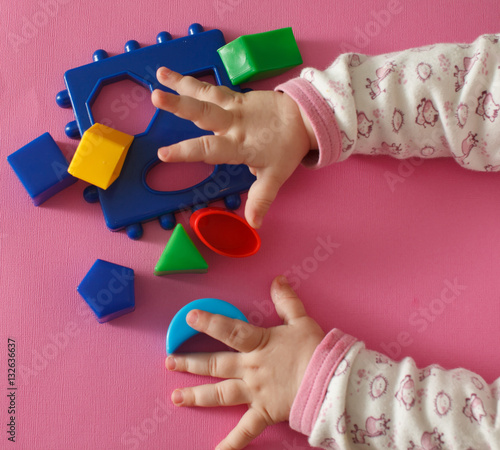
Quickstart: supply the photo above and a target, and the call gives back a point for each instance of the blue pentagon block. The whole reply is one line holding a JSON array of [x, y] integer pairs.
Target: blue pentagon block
[[42, 168], [109, 290]]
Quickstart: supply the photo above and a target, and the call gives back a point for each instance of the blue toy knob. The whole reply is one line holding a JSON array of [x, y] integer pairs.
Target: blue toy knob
[[232, 201], [167, 221], [72, 130], [134, 231], [195, 28], [99, 55], [91, 194], [163, 36], [63, 100], [132, 45]]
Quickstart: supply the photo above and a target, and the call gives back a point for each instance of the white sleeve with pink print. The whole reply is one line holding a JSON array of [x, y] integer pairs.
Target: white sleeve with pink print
[[440, 100], [376, 402]]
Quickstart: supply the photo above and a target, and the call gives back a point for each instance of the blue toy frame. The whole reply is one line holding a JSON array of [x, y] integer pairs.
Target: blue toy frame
[[129, 201]]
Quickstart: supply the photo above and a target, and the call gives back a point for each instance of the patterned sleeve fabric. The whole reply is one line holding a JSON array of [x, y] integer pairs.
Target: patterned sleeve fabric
[[370, 400], [435, 101]]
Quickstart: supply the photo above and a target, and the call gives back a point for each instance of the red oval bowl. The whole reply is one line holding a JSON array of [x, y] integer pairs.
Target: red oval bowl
[[225, 232]]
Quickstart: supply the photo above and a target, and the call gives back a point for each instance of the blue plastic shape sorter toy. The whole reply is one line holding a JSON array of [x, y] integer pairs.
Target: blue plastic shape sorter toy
[[179, 331], [130, 201], [109, 290], [42, 168]]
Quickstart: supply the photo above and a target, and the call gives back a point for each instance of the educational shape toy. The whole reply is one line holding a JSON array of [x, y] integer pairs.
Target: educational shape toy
[[180, 255], [42, 168], [224, 232], [262, 55], [129, 201], [109, 290], [179, 331], [100, 155]]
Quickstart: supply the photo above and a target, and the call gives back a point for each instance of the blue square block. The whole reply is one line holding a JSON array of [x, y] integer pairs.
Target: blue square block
[[42, 168], [109, 290]]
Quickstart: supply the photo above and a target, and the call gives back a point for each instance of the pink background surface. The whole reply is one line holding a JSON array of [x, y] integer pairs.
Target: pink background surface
[[105, 386]]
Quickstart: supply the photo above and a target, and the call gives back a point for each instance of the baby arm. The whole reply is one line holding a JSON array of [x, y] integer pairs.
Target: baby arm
[[262, 129], [332, 389], [434, 101], [367, 399], [266, 372]]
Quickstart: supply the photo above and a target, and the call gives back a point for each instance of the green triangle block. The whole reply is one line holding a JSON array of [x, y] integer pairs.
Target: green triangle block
[[180, 255]]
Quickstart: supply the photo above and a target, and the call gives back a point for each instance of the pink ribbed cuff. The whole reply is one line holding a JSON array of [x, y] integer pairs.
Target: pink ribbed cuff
[[322, 120], [312, 391]]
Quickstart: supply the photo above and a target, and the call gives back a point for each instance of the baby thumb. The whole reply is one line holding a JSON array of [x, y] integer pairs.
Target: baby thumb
[[287, 303], [260, 197]]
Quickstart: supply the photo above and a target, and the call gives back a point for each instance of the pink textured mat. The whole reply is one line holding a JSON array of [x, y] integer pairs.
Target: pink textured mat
[[393, 247]]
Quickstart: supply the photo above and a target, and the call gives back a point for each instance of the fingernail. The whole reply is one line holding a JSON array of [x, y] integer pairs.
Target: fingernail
[[282, 280], [192, 317], [177, 397], [163, 153], [163, 72], [257, 222], [171, 363]]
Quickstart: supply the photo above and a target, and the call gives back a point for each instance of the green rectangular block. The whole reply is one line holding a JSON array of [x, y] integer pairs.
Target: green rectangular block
[[261, 55]]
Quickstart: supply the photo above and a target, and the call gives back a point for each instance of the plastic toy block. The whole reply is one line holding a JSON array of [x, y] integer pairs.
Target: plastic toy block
[[109, 290], [180, 255], [100, 155], [179, 331], [129, 201], [262, 55], [42, 168], [224, 232]]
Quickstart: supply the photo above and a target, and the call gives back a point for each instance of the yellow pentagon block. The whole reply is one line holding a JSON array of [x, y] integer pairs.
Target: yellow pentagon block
[[100, 156]]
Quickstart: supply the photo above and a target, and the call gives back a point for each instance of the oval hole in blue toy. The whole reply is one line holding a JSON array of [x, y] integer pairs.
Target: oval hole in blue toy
[[169, 177], [178, 176], [124, 105], [179, 331]]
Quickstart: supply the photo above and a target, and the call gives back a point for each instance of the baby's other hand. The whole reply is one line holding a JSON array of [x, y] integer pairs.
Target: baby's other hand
[[266, 372], [265, 130]]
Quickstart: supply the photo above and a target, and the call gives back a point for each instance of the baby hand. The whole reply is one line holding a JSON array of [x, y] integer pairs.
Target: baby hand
[[265, 130], [265, 374]]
